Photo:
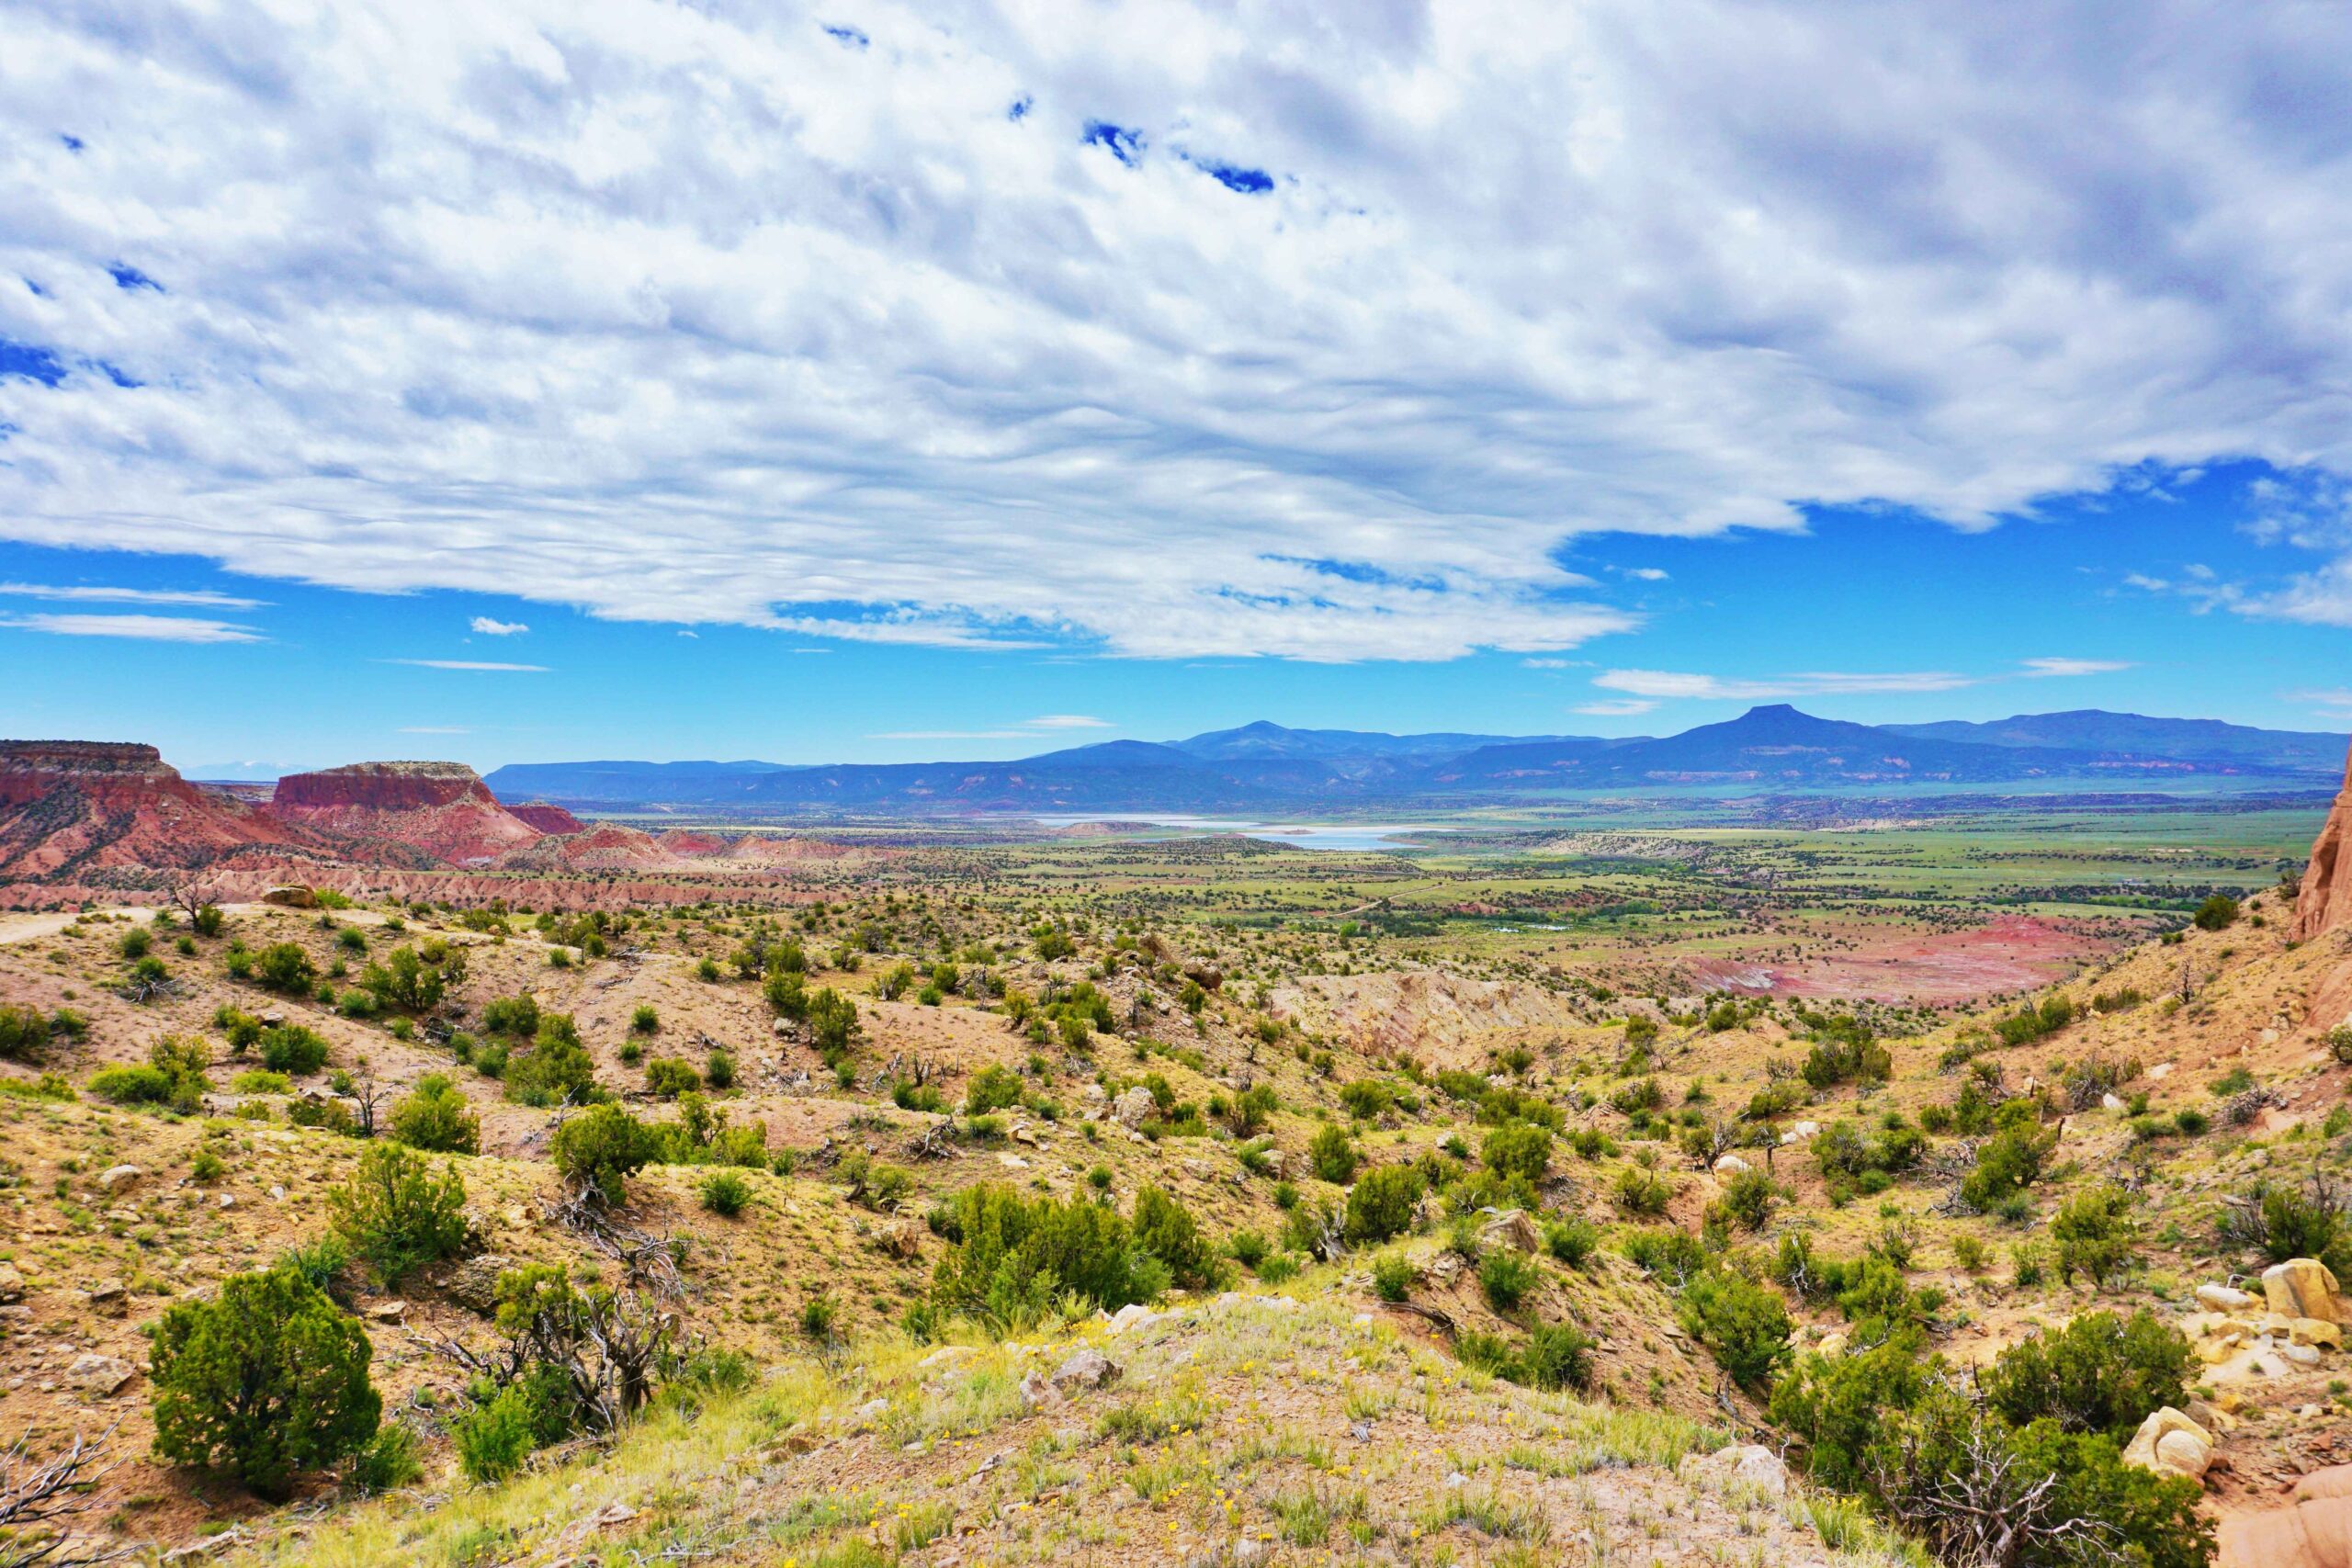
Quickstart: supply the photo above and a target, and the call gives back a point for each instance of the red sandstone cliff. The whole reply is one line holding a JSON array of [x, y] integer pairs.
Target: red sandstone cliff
[[72, 809], [2325, 900], [548, 819], [442, 808]]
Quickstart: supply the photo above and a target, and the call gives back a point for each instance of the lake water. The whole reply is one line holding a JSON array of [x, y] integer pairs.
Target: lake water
[[1348, 836]]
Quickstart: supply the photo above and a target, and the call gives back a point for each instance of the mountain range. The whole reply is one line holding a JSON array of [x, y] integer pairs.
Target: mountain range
[[1264, 766]]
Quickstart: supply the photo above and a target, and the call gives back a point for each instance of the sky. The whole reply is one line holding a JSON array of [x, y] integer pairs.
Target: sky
[[611, 379]]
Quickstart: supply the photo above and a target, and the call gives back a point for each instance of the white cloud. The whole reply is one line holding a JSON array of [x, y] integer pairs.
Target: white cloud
[[2043, 669], [689, 313], [1816, 683], [469, 664], [1546, 663], [1617, 707], [488, 628], [193, 598], [146, 628], [2335, 701], [1066, 721], [1645, 573]]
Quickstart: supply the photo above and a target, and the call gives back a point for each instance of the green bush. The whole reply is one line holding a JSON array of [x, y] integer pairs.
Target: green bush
[[2100, 1373], [1743, 1325], [2218, 912], [667, 1078], [131, 1086], [1641, 1192], [1166, 1230], [396, 1216], [267, 1380], [493, 1439], [646, 1020], [1572, 1240], [284, 969], [1011, 1257], [1393, 1275], [516, 1016], [1380, 1204], [725, 1193], [386, 1460], [1332, 1154], [992, 1088], [435, 1117], [293, 1049], [1507, 1275], [2012, 1159], [2096, 1235], [1558, 1356], [1518, 1150], [601, 1148], [556, 1070]]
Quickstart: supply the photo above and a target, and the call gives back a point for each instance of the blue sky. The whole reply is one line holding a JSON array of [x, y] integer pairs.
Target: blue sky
[[1854, 618], [966, 383]]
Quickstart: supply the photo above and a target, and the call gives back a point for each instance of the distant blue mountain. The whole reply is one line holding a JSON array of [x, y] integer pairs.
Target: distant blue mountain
[[1266, 767]]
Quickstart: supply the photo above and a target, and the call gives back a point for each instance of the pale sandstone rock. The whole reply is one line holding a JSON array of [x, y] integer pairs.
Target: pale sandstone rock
[[2302, 1287], [1743, 1464], [2168, 1441]]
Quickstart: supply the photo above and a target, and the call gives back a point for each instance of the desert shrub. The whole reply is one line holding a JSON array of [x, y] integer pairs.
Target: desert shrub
[[1572, 1240], [1011, 1257], [718, 1070], [386, 1460], [396, 1216], [515, 1016], [1747, 1201], [667, 1078], [992, 1088], [1847, 1055], [833, 1028], [1558, 1356], [435, 1117], [415, 982], [2096, 1234], [1366, 1097], [1249, 1247], [2012, 1159], [2218, 912], [131, 1086], [1393, 1277], [1641, 1192], [1380, 1204], [1507, 1275], [1833, 1404], [2282, 1221], [268, 1379], [1673, 1256], [725, 1193], [556, 1070], [24, 1031], [1743, 1325], [645, 1019], [494, 1439], [1332, 1154], [290, 1048], [1641, 1095], [1166, 1230], [2100, 1373], [284, 967], [1518, 1150], [1248, 1112], [601, 1148]]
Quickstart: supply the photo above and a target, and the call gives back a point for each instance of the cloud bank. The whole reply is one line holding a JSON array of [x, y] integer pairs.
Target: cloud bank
[[1265, 328]]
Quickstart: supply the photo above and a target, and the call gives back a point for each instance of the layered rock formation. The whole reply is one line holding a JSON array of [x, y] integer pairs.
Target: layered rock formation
[[90, 809], [442, 808], [2325, 900], [547, 817]]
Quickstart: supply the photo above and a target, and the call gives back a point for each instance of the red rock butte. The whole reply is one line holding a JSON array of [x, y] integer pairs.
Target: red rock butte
[[384, 786], [2324, 901]]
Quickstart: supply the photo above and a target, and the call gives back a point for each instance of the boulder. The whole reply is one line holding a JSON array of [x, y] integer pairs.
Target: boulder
[[2311, 1331], [1731, 1165], [1743, 1464], [1035, 1392], [1133, 1108], [2169, 1442], [899, 1238], [1086, 1369], [119, 1177], [99, 1376], [2314, 1533], [1131, 1315], [2221, 1298], [291, 898], [473, 1283], [12, 1285], [1513, 1229], [2302, 1287]]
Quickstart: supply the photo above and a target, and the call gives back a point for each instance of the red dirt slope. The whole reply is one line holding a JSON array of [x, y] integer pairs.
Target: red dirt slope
[[442, 808]]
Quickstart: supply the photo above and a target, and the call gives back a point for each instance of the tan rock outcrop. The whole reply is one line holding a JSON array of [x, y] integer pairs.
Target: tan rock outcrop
[[2302, 1287], [2316, 1532], [2169, 1442], [2324, 900]]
